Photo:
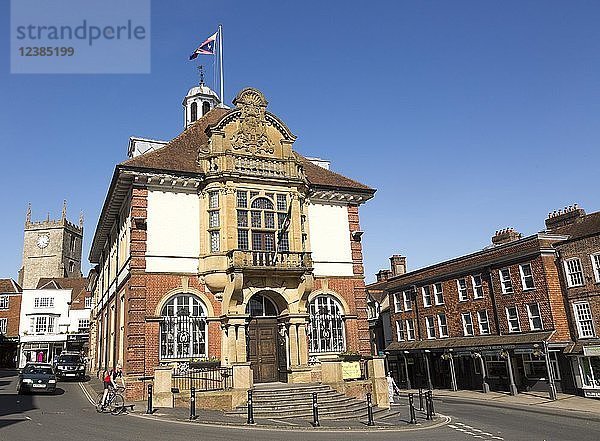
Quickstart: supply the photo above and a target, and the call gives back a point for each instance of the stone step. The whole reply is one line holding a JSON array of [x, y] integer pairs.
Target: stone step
[[323, 414], [324, 407]]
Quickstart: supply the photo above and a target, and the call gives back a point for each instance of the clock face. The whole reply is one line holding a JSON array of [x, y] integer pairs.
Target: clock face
[[43, 241]]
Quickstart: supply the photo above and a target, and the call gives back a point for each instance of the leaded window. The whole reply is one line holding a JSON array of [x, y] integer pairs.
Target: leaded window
[[326, 328], [183, 328]]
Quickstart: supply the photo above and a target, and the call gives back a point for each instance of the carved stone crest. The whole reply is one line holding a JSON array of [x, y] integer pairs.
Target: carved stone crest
[[251, 135]]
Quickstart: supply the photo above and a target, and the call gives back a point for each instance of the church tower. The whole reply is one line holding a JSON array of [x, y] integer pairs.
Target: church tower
[[198, 101], [51, 248]]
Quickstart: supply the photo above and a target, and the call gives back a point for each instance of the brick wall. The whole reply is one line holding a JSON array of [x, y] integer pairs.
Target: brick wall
[[12, 314]]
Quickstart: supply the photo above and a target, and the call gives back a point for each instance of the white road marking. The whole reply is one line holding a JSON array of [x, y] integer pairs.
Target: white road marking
[[87, 394], [473, 431]]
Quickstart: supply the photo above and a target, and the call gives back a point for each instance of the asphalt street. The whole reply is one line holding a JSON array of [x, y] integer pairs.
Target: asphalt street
[[68, 415]]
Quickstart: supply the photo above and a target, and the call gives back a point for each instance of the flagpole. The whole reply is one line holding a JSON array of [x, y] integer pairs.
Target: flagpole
[[221, 62]]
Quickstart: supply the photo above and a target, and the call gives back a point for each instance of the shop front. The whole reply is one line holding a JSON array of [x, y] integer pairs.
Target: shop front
[[41, 351], [585, 360]]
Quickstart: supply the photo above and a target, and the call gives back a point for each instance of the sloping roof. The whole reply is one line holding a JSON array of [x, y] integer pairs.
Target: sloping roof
[[471, 342], [75, 284], [9, 285], [319, 176], [587, 225]]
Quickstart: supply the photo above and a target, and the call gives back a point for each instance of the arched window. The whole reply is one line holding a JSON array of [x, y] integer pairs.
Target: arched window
[[194, 112], [183, 328], [326, 329], [205, 107], [261, 306]]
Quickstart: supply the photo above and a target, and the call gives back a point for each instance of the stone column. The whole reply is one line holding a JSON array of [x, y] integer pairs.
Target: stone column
[[453, 384], [300, 372], [379, 382]]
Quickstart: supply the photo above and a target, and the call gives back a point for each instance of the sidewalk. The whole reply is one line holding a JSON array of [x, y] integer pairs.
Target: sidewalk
[[532, 401]]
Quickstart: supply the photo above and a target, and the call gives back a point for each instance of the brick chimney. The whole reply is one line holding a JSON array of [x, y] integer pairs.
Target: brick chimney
[[560, 218], [383, 275], [505, 236], [398, 264]]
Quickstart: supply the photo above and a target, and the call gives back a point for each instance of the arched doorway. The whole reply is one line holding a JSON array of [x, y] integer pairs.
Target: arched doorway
[[266, 345]]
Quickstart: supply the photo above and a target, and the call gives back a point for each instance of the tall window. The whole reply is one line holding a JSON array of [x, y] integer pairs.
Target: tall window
[[477, 286], [584, 320], [407, 300], [484, 323], [194, 112], [426, 290], [4, 302], [574, 272], [535, 318], [526, 276], [442, 325], [214, 221], [205, 107], [463, 295], [262, 221], [72, 244], [326, 325], [467, 322], [596, 266], [3, 325], [400, 330], [438, 293], [430, 325], [410, 329], [512, 316], [183, 328], [505, 282], [397, 302]]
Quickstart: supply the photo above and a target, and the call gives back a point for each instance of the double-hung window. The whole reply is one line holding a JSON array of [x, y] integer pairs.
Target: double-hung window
[[410, 329], [477, 286], [461, 284], [438, 293], [407, 300], [535, 318], [426, 290], [484, 323], [574, 272], [4, 302], [397, 302], [526, 276], [442, 325], [596, 266], [430, 324], [505, 282], [467, 323], [512, 316], [400, 335], [584, 320]]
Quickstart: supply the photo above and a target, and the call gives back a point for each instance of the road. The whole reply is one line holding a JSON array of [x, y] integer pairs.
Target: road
[[68, 416]]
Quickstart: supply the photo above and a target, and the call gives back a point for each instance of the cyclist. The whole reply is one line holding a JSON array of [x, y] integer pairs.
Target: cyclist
[[109, 383]]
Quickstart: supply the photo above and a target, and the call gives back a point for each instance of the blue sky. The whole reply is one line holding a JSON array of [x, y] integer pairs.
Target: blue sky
[[467, 116]]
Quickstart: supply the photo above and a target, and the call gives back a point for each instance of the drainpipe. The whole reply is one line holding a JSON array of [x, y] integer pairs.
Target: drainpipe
[[416, 306], [493, 297]]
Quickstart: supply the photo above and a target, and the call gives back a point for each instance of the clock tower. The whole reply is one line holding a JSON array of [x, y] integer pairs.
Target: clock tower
[[51, 248]]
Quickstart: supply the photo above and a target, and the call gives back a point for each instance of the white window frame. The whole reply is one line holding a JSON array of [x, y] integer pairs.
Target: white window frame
[[84, 328], [397, 302], [438, 294], [463, 292], [532, 317], [410, 329], [481, 322], [400, 333], [4, 302], [595, 258], [407, 300], [40, 327], [588, 331], [477, 287], [506, 284], [510, 327], [442, 328], [3, 325], [525, 277], [48, 302], [574, 272], [88, 302], [430, 326], [466, 325], [426, 303]]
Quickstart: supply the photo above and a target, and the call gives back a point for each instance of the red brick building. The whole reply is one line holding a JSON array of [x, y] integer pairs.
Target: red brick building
[[10, 310]]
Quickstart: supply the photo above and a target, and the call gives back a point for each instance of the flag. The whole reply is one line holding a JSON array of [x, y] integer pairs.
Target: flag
[[206, 48]]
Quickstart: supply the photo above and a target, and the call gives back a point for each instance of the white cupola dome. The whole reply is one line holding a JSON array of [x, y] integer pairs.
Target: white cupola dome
[[198, 101]]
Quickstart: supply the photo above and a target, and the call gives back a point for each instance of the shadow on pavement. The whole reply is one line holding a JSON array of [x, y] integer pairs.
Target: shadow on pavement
[[12, 405]]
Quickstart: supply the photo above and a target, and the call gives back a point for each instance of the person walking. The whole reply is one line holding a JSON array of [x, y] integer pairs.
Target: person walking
[[392, 387]]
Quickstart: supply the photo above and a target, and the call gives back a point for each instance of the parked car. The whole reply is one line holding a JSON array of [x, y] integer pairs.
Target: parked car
[[70, 366], [37, 377]]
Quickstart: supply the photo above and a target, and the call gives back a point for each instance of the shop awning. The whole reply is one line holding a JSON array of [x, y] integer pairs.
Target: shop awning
[[487, 342], [589, 347]]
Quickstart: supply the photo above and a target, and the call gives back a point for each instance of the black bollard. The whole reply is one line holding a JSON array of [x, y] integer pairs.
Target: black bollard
[[420, 399], [370, 410], [250, 409], [315, 411], [427, 407], [192, 403], [432, 409], [411, 408], [149, 409]]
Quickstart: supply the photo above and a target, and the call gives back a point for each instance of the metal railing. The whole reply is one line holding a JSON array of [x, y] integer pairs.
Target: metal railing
[[269, 259], [204, 379]]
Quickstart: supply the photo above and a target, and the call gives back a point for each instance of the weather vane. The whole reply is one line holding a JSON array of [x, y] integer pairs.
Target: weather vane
[[201, 73]]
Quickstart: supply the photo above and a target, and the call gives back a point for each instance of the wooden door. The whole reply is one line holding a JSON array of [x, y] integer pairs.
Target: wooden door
[[262, 349]]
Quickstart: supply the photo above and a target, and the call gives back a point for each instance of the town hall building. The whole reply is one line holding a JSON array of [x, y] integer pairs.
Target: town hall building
[[225, 244]]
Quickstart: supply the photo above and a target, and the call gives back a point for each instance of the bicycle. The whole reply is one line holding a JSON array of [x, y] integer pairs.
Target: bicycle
[[115, 404]]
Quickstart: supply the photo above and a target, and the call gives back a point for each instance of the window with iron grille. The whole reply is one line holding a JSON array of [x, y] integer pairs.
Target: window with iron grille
[[535, 318], [463, 295], [505, 281], [4, 302], [430, 325], [467, 322], [512, 316], [584, 319], [526, 276], [326, 330], [574, 272], [183, 328], [438, 293], [484, 323], [477, 286]]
